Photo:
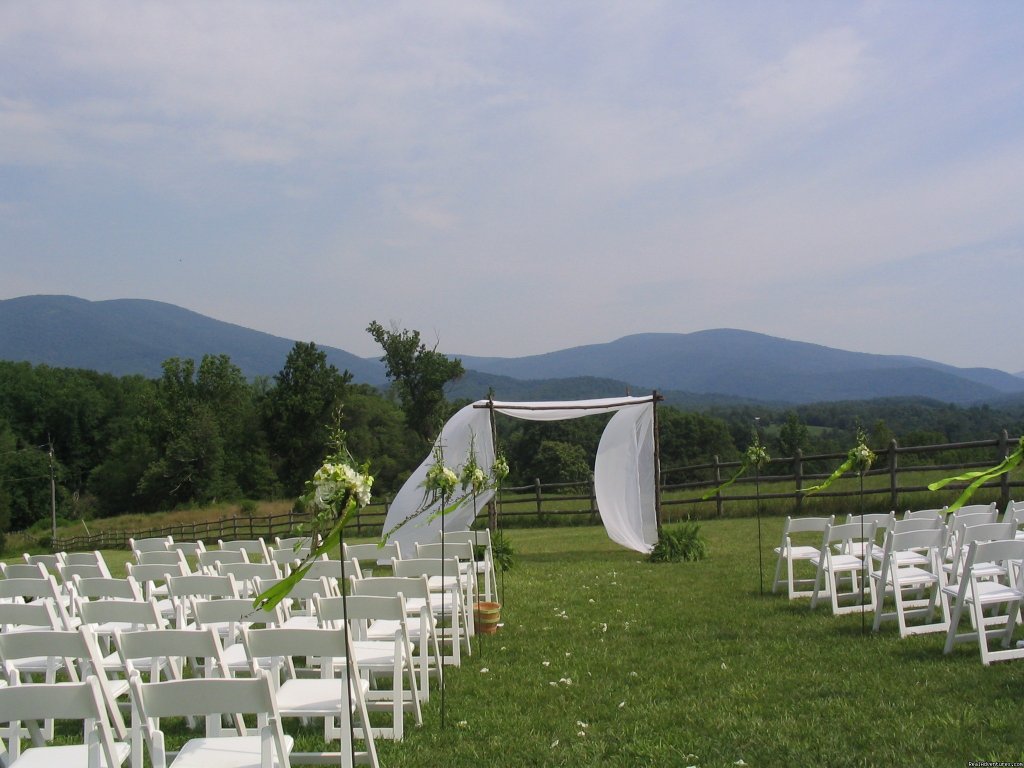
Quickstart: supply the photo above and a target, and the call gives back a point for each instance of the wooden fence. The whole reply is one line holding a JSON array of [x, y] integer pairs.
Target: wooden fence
[[562, 503]]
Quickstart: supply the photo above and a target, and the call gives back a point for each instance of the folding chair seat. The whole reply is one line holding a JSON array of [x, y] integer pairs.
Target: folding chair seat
[[452, 596], [28, 705], [417, 599], [323, 696], [379, 658], [255, 549], [835, 565], [211, 698], [791, 551], [915, 587], [72, 652], [993, 604]]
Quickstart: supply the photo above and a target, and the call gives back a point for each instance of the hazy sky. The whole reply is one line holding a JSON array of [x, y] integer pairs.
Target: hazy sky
[[515, 178]]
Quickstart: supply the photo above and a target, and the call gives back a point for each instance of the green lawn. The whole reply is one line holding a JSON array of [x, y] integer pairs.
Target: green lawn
[[608, 660]]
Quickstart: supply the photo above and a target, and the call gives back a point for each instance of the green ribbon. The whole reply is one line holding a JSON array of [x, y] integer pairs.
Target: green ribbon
[[841, 470], [743, 468], [269, 598], [980, 477]]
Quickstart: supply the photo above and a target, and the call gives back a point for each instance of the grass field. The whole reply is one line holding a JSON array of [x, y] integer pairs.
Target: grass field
[[607, 660]]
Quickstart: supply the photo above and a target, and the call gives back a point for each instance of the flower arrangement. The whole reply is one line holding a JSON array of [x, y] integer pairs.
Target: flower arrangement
[[755, 456], [338, 489], [859, 459], [980, 477]]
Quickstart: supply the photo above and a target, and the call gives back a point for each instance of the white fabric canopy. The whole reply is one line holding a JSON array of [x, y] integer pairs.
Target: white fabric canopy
[[624, 473]]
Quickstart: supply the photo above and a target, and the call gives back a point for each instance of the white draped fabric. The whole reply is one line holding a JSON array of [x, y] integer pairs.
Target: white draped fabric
[[623, 473]]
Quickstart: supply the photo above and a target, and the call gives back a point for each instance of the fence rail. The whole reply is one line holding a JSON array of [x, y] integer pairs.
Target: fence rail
[[554, 503]]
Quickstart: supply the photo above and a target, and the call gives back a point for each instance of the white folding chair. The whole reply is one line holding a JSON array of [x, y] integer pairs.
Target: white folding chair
[[298, 606], [72, 652], [937, 513], [793, 550], [153, 579], [210, 560], [39, 589], [915, 588], [227, 616], [245, 574], [212, 698], [388, 658], [23, 570], [28, 705], [1014, 513], [992, 603], [418, 601], [199, 585], [51, 562], [371, 553], [835, 566], [484, 564], [453, 596], [324, 696]]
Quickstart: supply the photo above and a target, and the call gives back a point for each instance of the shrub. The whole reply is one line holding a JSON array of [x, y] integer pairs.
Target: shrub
[[680, 543]]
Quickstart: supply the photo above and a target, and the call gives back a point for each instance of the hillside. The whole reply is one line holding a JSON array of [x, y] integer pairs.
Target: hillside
[[134, 336]]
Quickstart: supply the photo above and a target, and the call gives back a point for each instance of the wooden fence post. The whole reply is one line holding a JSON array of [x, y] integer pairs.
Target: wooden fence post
[[798, 478], [718, 481], [539, 499], [894, 481]]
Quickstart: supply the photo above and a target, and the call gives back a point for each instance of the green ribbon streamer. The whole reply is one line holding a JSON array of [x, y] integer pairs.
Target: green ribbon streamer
[[841, 470], [268, 599], [743, 468], [980, 477]]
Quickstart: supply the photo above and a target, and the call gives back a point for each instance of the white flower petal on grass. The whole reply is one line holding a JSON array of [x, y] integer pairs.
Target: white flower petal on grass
[[581, 724], [462, 724], [632, 674], [739, 762], [582, 733], [484, 670], [723, 665], [592, 600], [546, 663], [568, 654], [553, 683], [622, 705], [554, 743]]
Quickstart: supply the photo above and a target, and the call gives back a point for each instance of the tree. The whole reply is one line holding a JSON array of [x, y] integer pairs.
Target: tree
[[418, 375], [300, 408], [793, 436]]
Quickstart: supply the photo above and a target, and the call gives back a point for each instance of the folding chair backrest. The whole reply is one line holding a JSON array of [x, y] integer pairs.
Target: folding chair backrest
[[140, 614], [939, 513], [332, 610], [848, 532], [153, 574], [207, 696], [150, 544], [427, 566], [304, 589], [37, 589], [1003, 551], [188, 548], [203, 585], [105, 588], [1014, 512], [372, 552], [64, 701], [281, 642], [86, 558], [210, 559], [232, 610], [39, 614], [245, 574], [154, 644], [410, 587], [460, 549], [923, 523], [51, 562], [930, 539], [332, 570], [293, 542], [256, 549], [85, 571], [23, 570], [164, 557]]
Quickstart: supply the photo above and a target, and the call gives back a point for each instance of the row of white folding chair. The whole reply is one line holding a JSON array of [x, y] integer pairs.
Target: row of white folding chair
[[293, 696], [43, 587]]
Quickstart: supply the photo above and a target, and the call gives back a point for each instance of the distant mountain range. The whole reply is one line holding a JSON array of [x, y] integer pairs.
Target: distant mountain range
[[134, 336]]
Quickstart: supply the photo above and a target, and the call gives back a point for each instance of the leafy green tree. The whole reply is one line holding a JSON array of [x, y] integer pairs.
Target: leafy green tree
[[418, 375], [793, 436], [558, 462], [376, 432], [300, 408]]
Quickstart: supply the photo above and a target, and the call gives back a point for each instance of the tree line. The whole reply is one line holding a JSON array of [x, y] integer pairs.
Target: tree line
[[202, 432]]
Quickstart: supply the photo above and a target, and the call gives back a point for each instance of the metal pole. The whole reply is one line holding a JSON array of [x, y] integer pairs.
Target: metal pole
[[53, 498], [655, 397]]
